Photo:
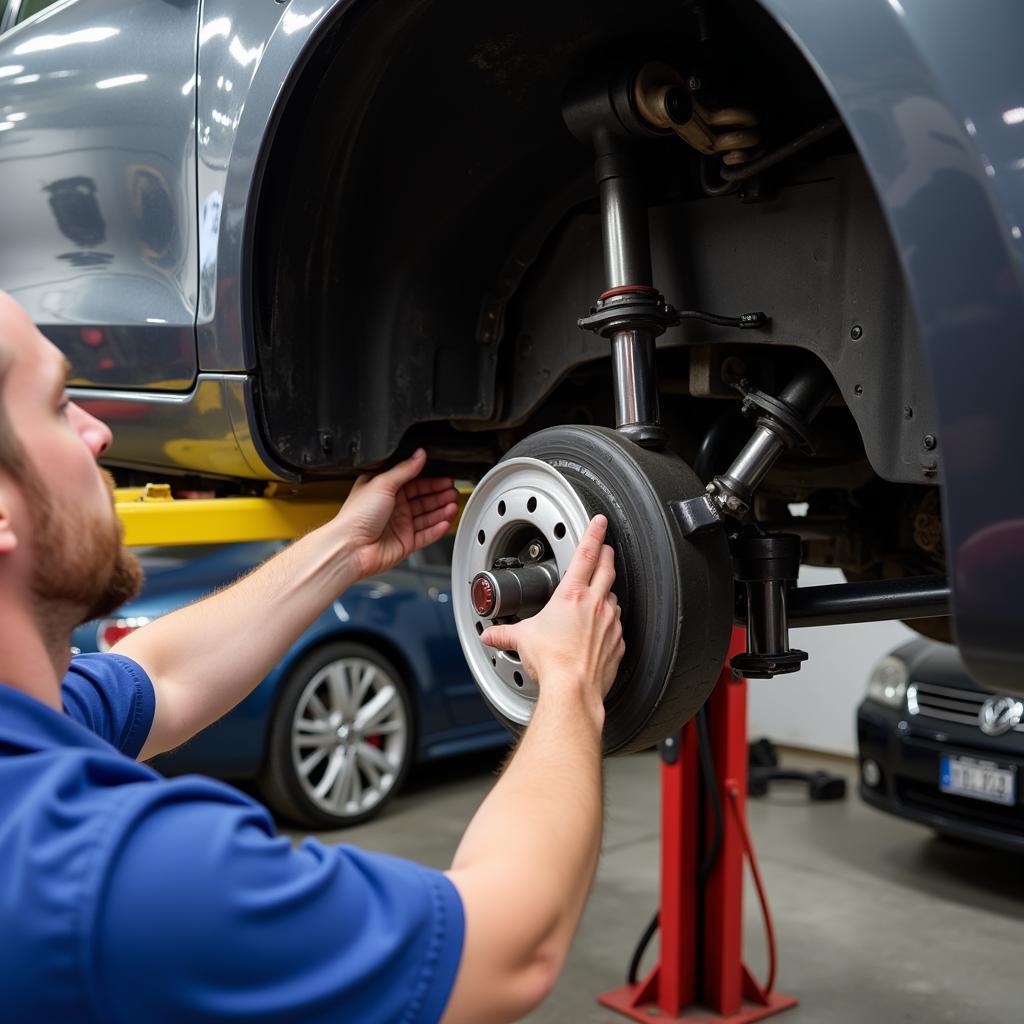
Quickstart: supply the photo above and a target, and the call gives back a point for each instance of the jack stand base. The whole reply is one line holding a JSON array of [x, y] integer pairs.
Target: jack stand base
[[630, 1002], [700, 976]]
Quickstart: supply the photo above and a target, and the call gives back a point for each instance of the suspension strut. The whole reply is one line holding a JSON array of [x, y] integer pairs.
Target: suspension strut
[[631, 313], [649, 102]]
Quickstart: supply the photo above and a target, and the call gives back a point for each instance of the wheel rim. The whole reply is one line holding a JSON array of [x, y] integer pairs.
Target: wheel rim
[[350, 734], [520, 499]]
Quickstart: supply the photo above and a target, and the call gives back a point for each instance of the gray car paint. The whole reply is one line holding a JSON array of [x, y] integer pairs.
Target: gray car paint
[[246, 54], [933, 94], [930, 89], [98, 204]]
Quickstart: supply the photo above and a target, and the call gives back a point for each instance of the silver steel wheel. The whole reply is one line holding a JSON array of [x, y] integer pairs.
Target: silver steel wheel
[[350, 736], [519, 502]]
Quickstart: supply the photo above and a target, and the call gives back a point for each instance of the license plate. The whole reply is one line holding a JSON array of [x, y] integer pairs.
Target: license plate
[[982, 780]]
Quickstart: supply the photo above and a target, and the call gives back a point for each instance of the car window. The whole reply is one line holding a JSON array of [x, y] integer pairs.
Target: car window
[[30, 7]]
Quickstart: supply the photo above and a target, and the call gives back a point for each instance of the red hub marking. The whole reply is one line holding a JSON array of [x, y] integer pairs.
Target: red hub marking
[[482, 594]]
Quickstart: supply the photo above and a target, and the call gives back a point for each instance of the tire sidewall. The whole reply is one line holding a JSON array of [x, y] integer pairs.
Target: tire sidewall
[[676, 593]]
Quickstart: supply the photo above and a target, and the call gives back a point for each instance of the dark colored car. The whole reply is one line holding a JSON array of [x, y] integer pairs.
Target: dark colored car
[[290, 241], [376, 686], [938, 749]]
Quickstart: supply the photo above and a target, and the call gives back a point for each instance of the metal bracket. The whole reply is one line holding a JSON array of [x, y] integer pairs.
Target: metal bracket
[[696, 515]]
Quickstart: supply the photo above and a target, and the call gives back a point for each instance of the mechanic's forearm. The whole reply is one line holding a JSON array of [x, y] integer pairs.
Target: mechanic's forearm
[[533, 845], [205, 658]]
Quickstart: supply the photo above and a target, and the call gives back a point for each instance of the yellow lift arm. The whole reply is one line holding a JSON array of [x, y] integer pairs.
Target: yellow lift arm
[[152, 517]]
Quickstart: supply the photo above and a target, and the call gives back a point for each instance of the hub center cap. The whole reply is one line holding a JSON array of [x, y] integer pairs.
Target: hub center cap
[[483, 596], [521, 511]]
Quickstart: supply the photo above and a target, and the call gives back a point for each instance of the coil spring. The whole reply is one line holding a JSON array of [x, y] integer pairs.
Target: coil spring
[[736, 137]]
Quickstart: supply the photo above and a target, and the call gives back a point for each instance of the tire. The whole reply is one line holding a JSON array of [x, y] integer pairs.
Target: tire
[[313, 733], [676, 594]]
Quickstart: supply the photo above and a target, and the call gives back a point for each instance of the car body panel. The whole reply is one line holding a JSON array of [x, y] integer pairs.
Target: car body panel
[[208, 429], [934, 98], [98, 204], [248, 54], [908, 748], [394, 613]]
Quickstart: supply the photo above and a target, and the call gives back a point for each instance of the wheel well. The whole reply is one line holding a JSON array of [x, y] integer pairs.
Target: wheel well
[[420, 175], [427, 236]]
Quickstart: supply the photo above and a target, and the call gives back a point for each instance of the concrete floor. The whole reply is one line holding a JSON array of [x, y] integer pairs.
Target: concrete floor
[[877, 920]]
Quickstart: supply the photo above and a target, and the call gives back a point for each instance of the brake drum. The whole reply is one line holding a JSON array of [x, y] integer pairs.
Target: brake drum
[[675, 594]]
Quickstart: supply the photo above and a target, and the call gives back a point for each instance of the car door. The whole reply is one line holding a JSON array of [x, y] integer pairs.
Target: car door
[[466, 705], [97, 164]]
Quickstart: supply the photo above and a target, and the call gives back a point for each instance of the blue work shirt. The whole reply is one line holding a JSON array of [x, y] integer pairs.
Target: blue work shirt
[[127, 898]]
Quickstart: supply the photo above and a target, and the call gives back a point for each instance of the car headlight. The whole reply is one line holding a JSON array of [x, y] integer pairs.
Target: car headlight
[[888, 682]]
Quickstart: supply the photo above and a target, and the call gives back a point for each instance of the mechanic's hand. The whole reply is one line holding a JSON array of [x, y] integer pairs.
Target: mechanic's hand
[[388, 516], [576, 638]]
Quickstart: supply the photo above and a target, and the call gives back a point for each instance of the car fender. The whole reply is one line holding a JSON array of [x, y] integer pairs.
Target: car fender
[[249, 57], [934, 100]]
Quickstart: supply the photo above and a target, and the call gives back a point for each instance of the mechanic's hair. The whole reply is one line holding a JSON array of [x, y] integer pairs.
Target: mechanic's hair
[[12, 453]]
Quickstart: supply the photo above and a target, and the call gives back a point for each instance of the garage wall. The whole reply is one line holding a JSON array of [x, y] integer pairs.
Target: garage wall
[[815, 707]]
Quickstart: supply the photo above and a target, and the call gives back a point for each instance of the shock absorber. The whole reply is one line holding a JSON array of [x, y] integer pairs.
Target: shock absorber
[[631, 312], [766, 565], [783, 422]]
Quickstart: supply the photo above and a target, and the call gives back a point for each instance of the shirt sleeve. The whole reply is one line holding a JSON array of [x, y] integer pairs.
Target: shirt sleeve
[[205, 915], [113, 697]]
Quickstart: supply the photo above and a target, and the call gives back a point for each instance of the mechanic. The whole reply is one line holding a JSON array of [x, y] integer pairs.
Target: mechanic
[[127, 897]]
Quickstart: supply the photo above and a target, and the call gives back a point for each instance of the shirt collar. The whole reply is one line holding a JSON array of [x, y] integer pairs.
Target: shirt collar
[[28, 725]]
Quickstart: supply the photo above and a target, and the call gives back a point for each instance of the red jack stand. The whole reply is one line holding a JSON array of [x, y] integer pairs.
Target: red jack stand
[[692, 966]]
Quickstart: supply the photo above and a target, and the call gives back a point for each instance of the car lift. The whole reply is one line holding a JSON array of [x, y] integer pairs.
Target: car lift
[[151, 515], [700, 962]]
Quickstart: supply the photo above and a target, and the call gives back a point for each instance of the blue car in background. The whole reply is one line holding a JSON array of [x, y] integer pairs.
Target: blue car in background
[[376, 685]]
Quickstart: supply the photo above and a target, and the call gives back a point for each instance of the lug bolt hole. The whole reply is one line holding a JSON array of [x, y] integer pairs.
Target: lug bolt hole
[[479, 628], [494, 662], [481, 537], [501, 508], [518, 678], [531, 505], [559, 531]]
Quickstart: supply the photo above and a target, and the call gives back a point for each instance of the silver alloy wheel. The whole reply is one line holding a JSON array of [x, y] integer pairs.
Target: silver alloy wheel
[[517, 501], [350, 736]]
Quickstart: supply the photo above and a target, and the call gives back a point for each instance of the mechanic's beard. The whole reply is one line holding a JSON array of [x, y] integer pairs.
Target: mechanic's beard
[[81, 568]]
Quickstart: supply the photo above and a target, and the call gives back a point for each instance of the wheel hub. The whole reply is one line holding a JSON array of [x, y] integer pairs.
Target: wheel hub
[[518, 533], [526, 518]]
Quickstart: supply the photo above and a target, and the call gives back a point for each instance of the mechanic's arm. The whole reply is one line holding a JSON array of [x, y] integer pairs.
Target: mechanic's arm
[[204, 658], [526, 863]]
